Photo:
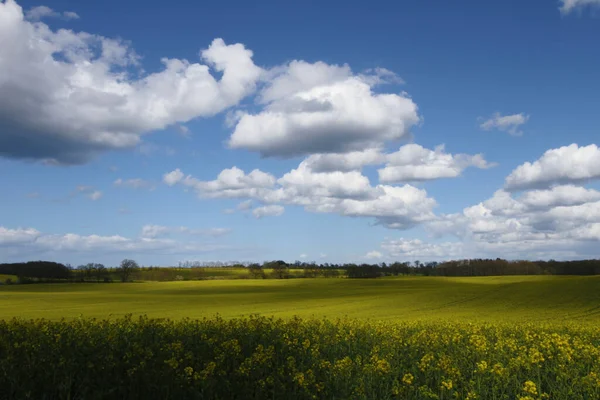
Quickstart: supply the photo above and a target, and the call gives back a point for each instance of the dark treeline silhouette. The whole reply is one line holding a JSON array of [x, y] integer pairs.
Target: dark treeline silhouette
[[37, 269], [128, 270], [490, 267]]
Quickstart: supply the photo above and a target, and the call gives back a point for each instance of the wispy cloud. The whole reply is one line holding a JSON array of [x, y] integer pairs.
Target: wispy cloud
[[505, 123], [40, 12]]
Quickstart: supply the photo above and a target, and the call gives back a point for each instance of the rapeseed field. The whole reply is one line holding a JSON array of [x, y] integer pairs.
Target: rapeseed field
[[523, 338], [269, 358]]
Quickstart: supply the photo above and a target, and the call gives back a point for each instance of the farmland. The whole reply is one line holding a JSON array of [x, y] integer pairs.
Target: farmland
[[555, 299], [525, 337]]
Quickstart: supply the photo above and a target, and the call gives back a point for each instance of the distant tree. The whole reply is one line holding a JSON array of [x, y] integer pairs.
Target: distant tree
[[312, 270], [256, 271], [100, 272], [363, 271], [89, 271], [279, 267], [127, 268]]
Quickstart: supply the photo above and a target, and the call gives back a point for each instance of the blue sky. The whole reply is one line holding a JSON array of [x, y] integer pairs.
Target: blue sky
[[424, 130]]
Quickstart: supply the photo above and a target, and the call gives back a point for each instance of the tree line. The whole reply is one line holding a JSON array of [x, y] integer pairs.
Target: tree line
[[48, 271]]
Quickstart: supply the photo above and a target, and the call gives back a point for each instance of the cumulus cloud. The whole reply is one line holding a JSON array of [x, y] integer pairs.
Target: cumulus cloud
[[155, 231], [66, 96], [354, 160], [413, 162], [416, 248], [268, 211], [568, 6], [230, 183], [567, 195], [299, 76], [344, 193], [27, 241], [506, 123], [39, 12], [560, 222], [320, 108], [567, 164], [303, 181], [17, 236], [133, 183]]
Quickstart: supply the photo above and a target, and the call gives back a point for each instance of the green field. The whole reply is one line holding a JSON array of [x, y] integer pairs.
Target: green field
[[551, 299], [477, 338]]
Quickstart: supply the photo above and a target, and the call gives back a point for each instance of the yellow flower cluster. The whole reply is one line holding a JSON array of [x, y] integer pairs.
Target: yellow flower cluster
[[257, 358]]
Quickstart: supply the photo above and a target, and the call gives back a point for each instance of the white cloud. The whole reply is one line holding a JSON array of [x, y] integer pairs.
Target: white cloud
[[303, 256], [299, 76], [155, 231], [379, 76], [394, 207], [23, 242], [95, 195], [344, 193], [173, 177], [134, 183], [302, 181], [371, 255], [39, 12], [354, 160], [320, 108], [568, 195], [17, 236], [413, 162], [268, 211], [70, 15], [66, 96], [506, 123], [571, 5], [560, 222], [415, 248], [230, 183], [567, 164]]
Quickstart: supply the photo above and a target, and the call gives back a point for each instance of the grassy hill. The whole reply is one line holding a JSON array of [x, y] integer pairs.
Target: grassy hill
[[512, 299]]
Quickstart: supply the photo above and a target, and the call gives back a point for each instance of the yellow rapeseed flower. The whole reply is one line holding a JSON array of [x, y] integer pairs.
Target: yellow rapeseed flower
[[530, 387]]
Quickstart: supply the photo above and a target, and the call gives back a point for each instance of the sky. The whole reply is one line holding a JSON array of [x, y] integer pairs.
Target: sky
[[314, 131]]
